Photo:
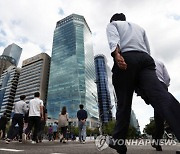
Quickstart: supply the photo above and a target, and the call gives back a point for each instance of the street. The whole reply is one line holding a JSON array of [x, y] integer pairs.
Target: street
[[74, 147]]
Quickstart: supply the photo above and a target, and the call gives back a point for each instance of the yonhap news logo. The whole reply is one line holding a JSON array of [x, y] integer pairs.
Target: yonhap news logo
[[103, 141]]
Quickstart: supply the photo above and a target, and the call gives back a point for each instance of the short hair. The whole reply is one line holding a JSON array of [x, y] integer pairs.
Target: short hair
[[81, 106], [118, 16], [36, 94], [22, 97]]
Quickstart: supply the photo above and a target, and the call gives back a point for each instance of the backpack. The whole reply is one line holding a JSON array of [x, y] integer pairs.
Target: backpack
[[62, 121]]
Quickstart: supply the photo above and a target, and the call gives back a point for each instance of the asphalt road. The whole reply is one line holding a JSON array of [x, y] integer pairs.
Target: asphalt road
[[54, 147]]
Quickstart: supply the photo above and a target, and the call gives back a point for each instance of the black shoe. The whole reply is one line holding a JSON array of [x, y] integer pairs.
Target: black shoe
[[121, 149], [157, 147], [177, 152]]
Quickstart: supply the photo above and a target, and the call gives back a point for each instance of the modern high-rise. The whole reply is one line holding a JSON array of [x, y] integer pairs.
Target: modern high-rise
[[134, 122], [10, 56], [8, 86], [72, 70], [104, 99], [34, 77]]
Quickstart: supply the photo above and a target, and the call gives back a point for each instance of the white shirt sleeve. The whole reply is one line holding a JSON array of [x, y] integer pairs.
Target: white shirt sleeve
[[146, 43], [166, 76], [112, 36]]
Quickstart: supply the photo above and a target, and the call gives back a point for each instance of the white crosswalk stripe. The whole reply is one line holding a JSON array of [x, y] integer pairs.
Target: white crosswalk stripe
[[13, 150]]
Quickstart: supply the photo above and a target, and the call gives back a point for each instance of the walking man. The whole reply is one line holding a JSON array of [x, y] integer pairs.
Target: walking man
[[35, 116], [82, 116], [19, 111], [134, 67]]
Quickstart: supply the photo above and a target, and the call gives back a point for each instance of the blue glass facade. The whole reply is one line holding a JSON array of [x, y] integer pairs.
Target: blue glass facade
[[13, 51], [72, 71], [104, 99]]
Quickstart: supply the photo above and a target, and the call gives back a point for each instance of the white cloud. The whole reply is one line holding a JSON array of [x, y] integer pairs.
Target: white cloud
[[30, 24]]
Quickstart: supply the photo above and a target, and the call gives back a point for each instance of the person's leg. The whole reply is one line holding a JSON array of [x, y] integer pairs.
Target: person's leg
[[124, 82], [161, 100], [84, 132], [10, 134], [80, 130], [36, 128], [20, 123], [3, 132], [30, 125]]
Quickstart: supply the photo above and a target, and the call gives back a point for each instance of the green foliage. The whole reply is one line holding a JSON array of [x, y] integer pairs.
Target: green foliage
[[150, 128], [109, 127]]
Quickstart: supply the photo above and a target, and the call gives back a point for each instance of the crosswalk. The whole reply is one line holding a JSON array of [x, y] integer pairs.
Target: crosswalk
[[12, 150]]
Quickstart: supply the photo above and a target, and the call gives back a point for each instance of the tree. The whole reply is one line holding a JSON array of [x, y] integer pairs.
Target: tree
[[150, 128], [109, 127]]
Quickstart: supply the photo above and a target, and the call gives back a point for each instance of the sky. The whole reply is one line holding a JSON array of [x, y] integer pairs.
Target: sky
[[31, 23]]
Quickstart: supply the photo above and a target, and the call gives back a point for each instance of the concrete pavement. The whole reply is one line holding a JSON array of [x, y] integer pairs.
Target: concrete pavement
[[74, 147]]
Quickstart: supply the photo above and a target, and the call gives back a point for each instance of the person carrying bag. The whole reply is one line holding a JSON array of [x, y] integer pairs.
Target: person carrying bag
[[63, 124]]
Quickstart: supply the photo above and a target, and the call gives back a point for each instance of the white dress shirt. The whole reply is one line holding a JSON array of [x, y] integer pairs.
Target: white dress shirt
[[34, 107], [129, 37], [162, 72]]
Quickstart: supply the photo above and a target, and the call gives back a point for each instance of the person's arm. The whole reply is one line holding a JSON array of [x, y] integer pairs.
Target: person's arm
[[114, 44], [42, 110]]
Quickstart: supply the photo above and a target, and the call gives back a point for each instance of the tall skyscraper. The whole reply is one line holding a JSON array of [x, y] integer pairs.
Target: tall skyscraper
[[8, 85], [10, 56], [34, 77], [134, 122], [104, 98], [72, 71], [13, 51]]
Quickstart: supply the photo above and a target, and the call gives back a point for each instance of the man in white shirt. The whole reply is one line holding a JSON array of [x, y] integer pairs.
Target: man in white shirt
[[133, 66], [35, 116], [19, 111]]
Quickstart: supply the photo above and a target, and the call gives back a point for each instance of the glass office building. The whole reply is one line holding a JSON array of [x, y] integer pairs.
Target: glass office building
[[8, 86], [104, 98], [13, 51], [72, 70], [10, 56]]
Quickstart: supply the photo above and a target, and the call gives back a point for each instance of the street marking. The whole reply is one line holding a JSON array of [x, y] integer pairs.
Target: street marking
[[57, 153], [13, 150]]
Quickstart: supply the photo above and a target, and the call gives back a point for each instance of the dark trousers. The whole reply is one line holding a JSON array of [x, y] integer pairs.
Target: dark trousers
[[141, 72], [159, 122], [17, 119], [34, 121]]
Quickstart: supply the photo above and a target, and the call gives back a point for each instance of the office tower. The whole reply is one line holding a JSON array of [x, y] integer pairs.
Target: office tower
[[134, 122], [8, 85], [72, 71], [34, 77], [10, 56], [104, 98]]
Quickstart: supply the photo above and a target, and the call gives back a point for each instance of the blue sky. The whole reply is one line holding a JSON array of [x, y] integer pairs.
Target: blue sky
[[31, 23]]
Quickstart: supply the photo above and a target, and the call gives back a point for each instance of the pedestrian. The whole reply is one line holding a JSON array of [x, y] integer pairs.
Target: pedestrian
[[82, 116], [134, 67], [19, 112], [164, 78], [63, 124], [50, 133], [3, 122], [42, 125], [55, 130], [35, 116]]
